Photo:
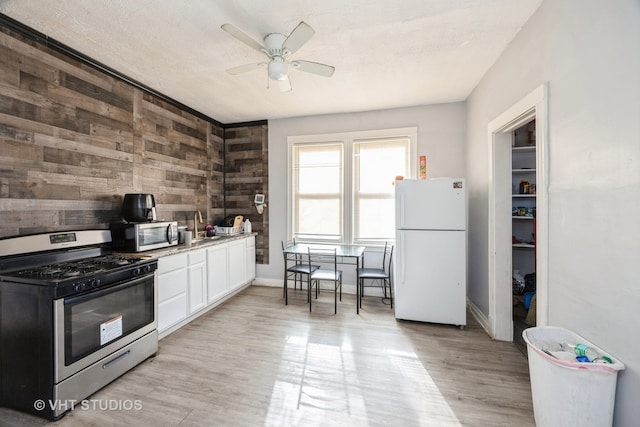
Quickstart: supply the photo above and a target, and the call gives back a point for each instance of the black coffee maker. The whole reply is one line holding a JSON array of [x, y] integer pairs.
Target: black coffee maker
[[139, 208]]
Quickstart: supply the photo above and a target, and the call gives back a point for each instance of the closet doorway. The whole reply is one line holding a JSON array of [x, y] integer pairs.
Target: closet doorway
[[532, 108]]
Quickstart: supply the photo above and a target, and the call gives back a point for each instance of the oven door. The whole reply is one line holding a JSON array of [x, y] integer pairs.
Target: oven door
[[91, 326]]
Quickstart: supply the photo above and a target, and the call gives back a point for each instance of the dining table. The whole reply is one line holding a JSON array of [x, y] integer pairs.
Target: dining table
[[346, 255]]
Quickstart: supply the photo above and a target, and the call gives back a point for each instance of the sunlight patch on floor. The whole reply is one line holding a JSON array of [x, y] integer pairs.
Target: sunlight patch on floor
[[321, 384], [420, 382]]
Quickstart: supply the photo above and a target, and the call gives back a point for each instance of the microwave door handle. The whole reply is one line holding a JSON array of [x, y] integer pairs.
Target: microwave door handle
[[169, 233]]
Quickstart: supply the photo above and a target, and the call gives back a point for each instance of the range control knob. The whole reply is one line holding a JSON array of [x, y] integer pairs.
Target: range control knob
[[136, 271], [94, 283], [78, 287]]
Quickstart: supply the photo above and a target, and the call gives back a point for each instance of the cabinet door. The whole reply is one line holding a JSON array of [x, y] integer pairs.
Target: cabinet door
[[251, 258], [172, 290], [217, 280], [237, 264], [197, 280]]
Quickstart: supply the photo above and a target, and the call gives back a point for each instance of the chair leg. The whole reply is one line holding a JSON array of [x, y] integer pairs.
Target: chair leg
[[358, 295], [286, 296], [390, 294]]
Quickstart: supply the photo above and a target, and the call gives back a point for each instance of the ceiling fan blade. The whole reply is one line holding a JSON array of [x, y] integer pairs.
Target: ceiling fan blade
[[240, 35], [284, 85], [314, 68], [244, 68], [298, 37]]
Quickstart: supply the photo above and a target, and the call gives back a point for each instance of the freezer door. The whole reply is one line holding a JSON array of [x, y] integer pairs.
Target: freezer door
[[430, 276], [434, 204]]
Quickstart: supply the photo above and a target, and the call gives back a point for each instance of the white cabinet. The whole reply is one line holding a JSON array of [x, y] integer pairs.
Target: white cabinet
[[197, 280], [251, 258], [237, 264], [191, 282], [230, 266], [182, 287], [217, 281], [172, 290]]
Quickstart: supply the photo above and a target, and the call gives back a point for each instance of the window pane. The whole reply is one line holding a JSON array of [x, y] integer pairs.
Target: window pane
[[320, 216], [382, 224], [376, 164], [380, 163], [318, 190], [319, 180]]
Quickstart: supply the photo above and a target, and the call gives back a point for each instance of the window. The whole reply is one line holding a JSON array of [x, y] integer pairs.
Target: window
[[318, 185], [341, 185]]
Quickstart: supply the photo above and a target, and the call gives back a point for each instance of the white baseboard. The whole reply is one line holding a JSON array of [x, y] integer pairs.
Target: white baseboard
[[480, 317]]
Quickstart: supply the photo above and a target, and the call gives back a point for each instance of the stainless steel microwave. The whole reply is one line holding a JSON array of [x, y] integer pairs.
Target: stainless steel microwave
[[143, 236]]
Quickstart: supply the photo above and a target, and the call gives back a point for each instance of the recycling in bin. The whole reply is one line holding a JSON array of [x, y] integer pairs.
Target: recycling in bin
[[573, 382]]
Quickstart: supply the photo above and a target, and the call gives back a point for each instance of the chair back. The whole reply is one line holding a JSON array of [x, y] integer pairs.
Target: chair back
[[387, 258], [323, 256], [282, 243], [288, 244], [387, 255]]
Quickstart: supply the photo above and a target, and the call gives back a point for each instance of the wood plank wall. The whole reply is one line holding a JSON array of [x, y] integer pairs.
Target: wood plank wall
[[246, 174], [74, 140]]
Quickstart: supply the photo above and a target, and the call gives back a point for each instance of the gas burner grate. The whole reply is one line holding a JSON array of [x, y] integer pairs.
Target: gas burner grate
[[78, 268]]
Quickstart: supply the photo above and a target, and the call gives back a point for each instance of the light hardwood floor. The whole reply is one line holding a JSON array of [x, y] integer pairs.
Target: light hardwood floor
[[255, 362]]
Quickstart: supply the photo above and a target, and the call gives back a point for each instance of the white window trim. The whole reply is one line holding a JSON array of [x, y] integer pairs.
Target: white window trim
[[348, 138]]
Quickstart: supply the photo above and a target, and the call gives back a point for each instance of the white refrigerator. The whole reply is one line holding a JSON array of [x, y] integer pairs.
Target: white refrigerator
[[430, 256]]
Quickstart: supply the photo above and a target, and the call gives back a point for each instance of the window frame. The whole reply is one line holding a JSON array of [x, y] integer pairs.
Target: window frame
[[347, 139]]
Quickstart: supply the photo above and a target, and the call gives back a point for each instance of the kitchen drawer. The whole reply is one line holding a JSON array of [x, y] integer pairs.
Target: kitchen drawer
[[197, 256], [172, 262]]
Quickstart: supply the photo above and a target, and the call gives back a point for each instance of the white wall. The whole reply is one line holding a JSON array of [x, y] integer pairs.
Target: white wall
[[441, 135], [589, 52]]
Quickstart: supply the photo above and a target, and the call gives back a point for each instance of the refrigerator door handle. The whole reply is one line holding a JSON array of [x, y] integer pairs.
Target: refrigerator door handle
[[400, 219], [403, 250]]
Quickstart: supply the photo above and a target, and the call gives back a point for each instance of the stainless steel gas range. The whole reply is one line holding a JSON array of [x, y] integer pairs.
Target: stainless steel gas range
[[73, 317]]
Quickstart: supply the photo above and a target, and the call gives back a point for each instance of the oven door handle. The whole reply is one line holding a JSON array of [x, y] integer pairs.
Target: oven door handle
[[127, 283]]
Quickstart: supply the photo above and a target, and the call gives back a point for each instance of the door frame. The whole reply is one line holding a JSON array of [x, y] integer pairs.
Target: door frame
[[532, 106]]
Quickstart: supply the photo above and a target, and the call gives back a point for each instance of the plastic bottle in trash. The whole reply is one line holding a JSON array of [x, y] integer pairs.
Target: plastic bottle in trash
[[585, 350]]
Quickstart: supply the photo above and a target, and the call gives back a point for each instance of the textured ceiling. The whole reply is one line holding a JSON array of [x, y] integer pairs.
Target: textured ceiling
[[387, 53]]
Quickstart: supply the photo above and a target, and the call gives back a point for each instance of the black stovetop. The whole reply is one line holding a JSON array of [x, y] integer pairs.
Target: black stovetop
[[78, 276], [60, 271], [69, 263]]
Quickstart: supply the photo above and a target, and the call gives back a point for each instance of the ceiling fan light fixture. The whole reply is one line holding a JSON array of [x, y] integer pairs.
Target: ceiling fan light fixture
[[277, 47], [277, 70]]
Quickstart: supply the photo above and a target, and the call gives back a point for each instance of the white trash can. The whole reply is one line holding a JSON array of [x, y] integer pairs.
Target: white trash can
[[569, 393]]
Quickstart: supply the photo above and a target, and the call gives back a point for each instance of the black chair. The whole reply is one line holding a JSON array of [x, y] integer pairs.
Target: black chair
[[379, 276], [296, 271], [327, 257]]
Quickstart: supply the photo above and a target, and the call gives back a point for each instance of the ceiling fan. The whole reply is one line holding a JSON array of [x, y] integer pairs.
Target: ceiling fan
[[278, 48]]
